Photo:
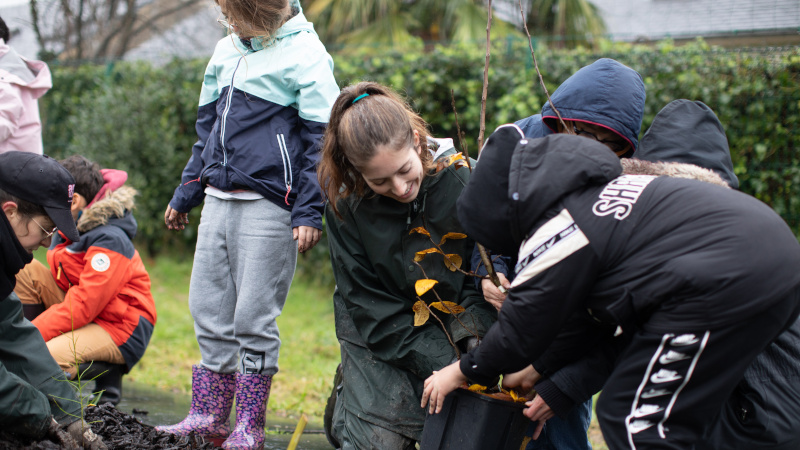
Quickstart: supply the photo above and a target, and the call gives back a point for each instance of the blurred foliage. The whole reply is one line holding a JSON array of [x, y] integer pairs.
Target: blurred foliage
[[350, 24], [140, 118], [570, 22]]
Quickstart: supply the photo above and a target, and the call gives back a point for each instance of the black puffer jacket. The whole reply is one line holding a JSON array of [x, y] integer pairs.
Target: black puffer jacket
[[621, 247]]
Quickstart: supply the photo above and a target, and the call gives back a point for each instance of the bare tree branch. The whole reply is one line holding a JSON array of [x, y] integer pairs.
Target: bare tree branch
[[461, 142], [35, 19], [485, 79], [536, 66], [485, 256], [77, 29]]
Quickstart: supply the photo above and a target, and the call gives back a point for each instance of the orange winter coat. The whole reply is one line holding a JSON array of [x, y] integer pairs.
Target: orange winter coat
[[104, 277]]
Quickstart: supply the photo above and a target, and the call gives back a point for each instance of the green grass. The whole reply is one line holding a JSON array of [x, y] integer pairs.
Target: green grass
[[309, 349]]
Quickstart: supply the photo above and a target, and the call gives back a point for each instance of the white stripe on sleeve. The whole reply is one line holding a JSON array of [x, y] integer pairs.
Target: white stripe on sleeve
[[558, 238]]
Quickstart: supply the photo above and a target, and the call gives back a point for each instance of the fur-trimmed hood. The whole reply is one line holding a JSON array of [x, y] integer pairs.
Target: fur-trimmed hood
[[634, 166], [114, 207]]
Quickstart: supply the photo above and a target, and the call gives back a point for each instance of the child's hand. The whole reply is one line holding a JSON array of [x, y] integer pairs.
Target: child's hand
[[538, 411], [441, 383], [306, 237], [492, 294], [523, 380], [174, 219]]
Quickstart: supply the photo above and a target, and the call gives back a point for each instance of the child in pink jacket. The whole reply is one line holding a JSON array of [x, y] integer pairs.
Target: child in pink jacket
[[22, 82]]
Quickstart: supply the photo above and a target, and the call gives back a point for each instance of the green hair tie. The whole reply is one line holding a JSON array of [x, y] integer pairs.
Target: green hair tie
[[360, 97]]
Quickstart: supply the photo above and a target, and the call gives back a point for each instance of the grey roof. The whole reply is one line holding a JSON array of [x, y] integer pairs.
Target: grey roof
[[196, 34], [654, 19]]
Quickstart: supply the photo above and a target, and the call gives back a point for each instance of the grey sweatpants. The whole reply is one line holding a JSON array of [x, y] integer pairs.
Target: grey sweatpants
[[243, 266]]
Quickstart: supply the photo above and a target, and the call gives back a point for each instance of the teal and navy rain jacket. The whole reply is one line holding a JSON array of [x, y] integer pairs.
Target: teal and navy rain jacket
[[263, 110]]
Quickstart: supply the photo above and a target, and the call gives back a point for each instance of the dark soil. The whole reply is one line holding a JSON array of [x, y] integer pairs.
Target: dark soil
[[118, 430]]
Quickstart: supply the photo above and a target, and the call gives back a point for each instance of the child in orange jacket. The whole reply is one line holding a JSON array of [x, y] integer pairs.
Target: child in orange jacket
[[96, 295]]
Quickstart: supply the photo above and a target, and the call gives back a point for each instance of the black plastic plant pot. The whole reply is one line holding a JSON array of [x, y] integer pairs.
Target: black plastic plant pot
[[470, 421]]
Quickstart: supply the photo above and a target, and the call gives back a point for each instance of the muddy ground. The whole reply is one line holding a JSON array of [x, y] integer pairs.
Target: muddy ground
[[118, 430]]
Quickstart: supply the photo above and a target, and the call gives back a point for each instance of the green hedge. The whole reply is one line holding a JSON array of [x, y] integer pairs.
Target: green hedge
[[140, 118]]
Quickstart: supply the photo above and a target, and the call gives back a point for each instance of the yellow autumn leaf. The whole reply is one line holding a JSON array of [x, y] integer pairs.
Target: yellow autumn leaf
[[421, 313], [476, 388], [452, 261], [424, 285], [420, 255], [420, 230], [452, 236], [448, 307], [453, 158]]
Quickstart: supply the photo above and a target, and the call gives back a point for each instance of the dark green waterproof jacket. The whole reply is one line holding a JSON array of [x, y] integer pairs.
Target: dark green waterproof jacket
[[385, 357], [33, 389]]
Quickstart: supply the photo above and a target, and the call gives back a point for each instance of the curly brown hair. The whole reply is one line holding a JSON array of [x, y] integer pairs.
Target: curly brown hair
[[364, 117]]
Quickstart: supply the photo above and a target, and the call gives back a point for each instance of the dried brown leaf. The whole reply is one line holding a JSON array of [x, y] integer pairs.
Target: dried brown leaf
[[448, 307], [420, 230], [421, 313], [452, 236], [420, 255], [452, 261]]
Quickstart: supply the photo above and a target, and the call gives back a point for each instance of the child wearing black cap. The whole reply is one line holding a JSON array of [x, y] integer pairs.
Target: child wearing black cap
[[35, 196], [95, 297]]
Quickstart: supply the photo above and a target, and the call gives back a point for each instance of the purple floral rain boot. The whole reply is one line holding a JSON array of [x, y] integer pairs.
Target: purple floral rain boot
[[212, 398], [252, 393]]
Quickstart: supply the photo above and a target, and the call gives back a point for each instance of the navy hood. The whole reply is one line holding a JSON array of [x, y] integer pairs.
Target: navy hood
[[605, 93], [517, 180], [689, 132]]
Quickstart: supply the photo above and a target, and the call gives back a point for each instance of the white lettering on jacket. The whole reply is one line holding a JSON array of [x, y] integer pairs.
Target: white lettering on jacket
[[619, 196], [558, 238]]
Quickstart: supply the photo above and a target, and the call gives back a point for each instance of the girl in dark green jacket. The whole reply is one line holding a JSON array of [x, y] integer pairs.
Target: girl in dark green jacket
[[384, 177]]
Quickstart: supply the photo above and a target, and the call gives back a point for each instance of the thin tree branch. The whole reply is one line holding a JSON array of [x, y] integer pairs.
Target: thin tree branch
[[35, 19], [444, 328], [79, 30], [536, 66], [481, 249], [461, 142], [450, 311], [485, 79]]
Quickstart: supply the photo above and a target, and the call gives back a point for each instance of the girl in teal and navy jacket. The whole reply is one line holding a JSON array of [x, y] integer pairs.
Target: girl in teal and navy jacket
[[266, 97]]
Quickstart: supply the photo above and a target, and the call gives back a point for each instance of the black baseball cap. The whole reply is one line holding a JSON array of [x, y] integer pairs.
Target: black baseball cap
[[41, 180]]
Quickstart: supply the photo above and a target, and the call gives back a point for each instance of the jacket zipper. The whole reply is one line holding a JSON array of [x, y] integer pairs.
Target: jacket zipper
[[287, 166], [225, 113], [64, 272]]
